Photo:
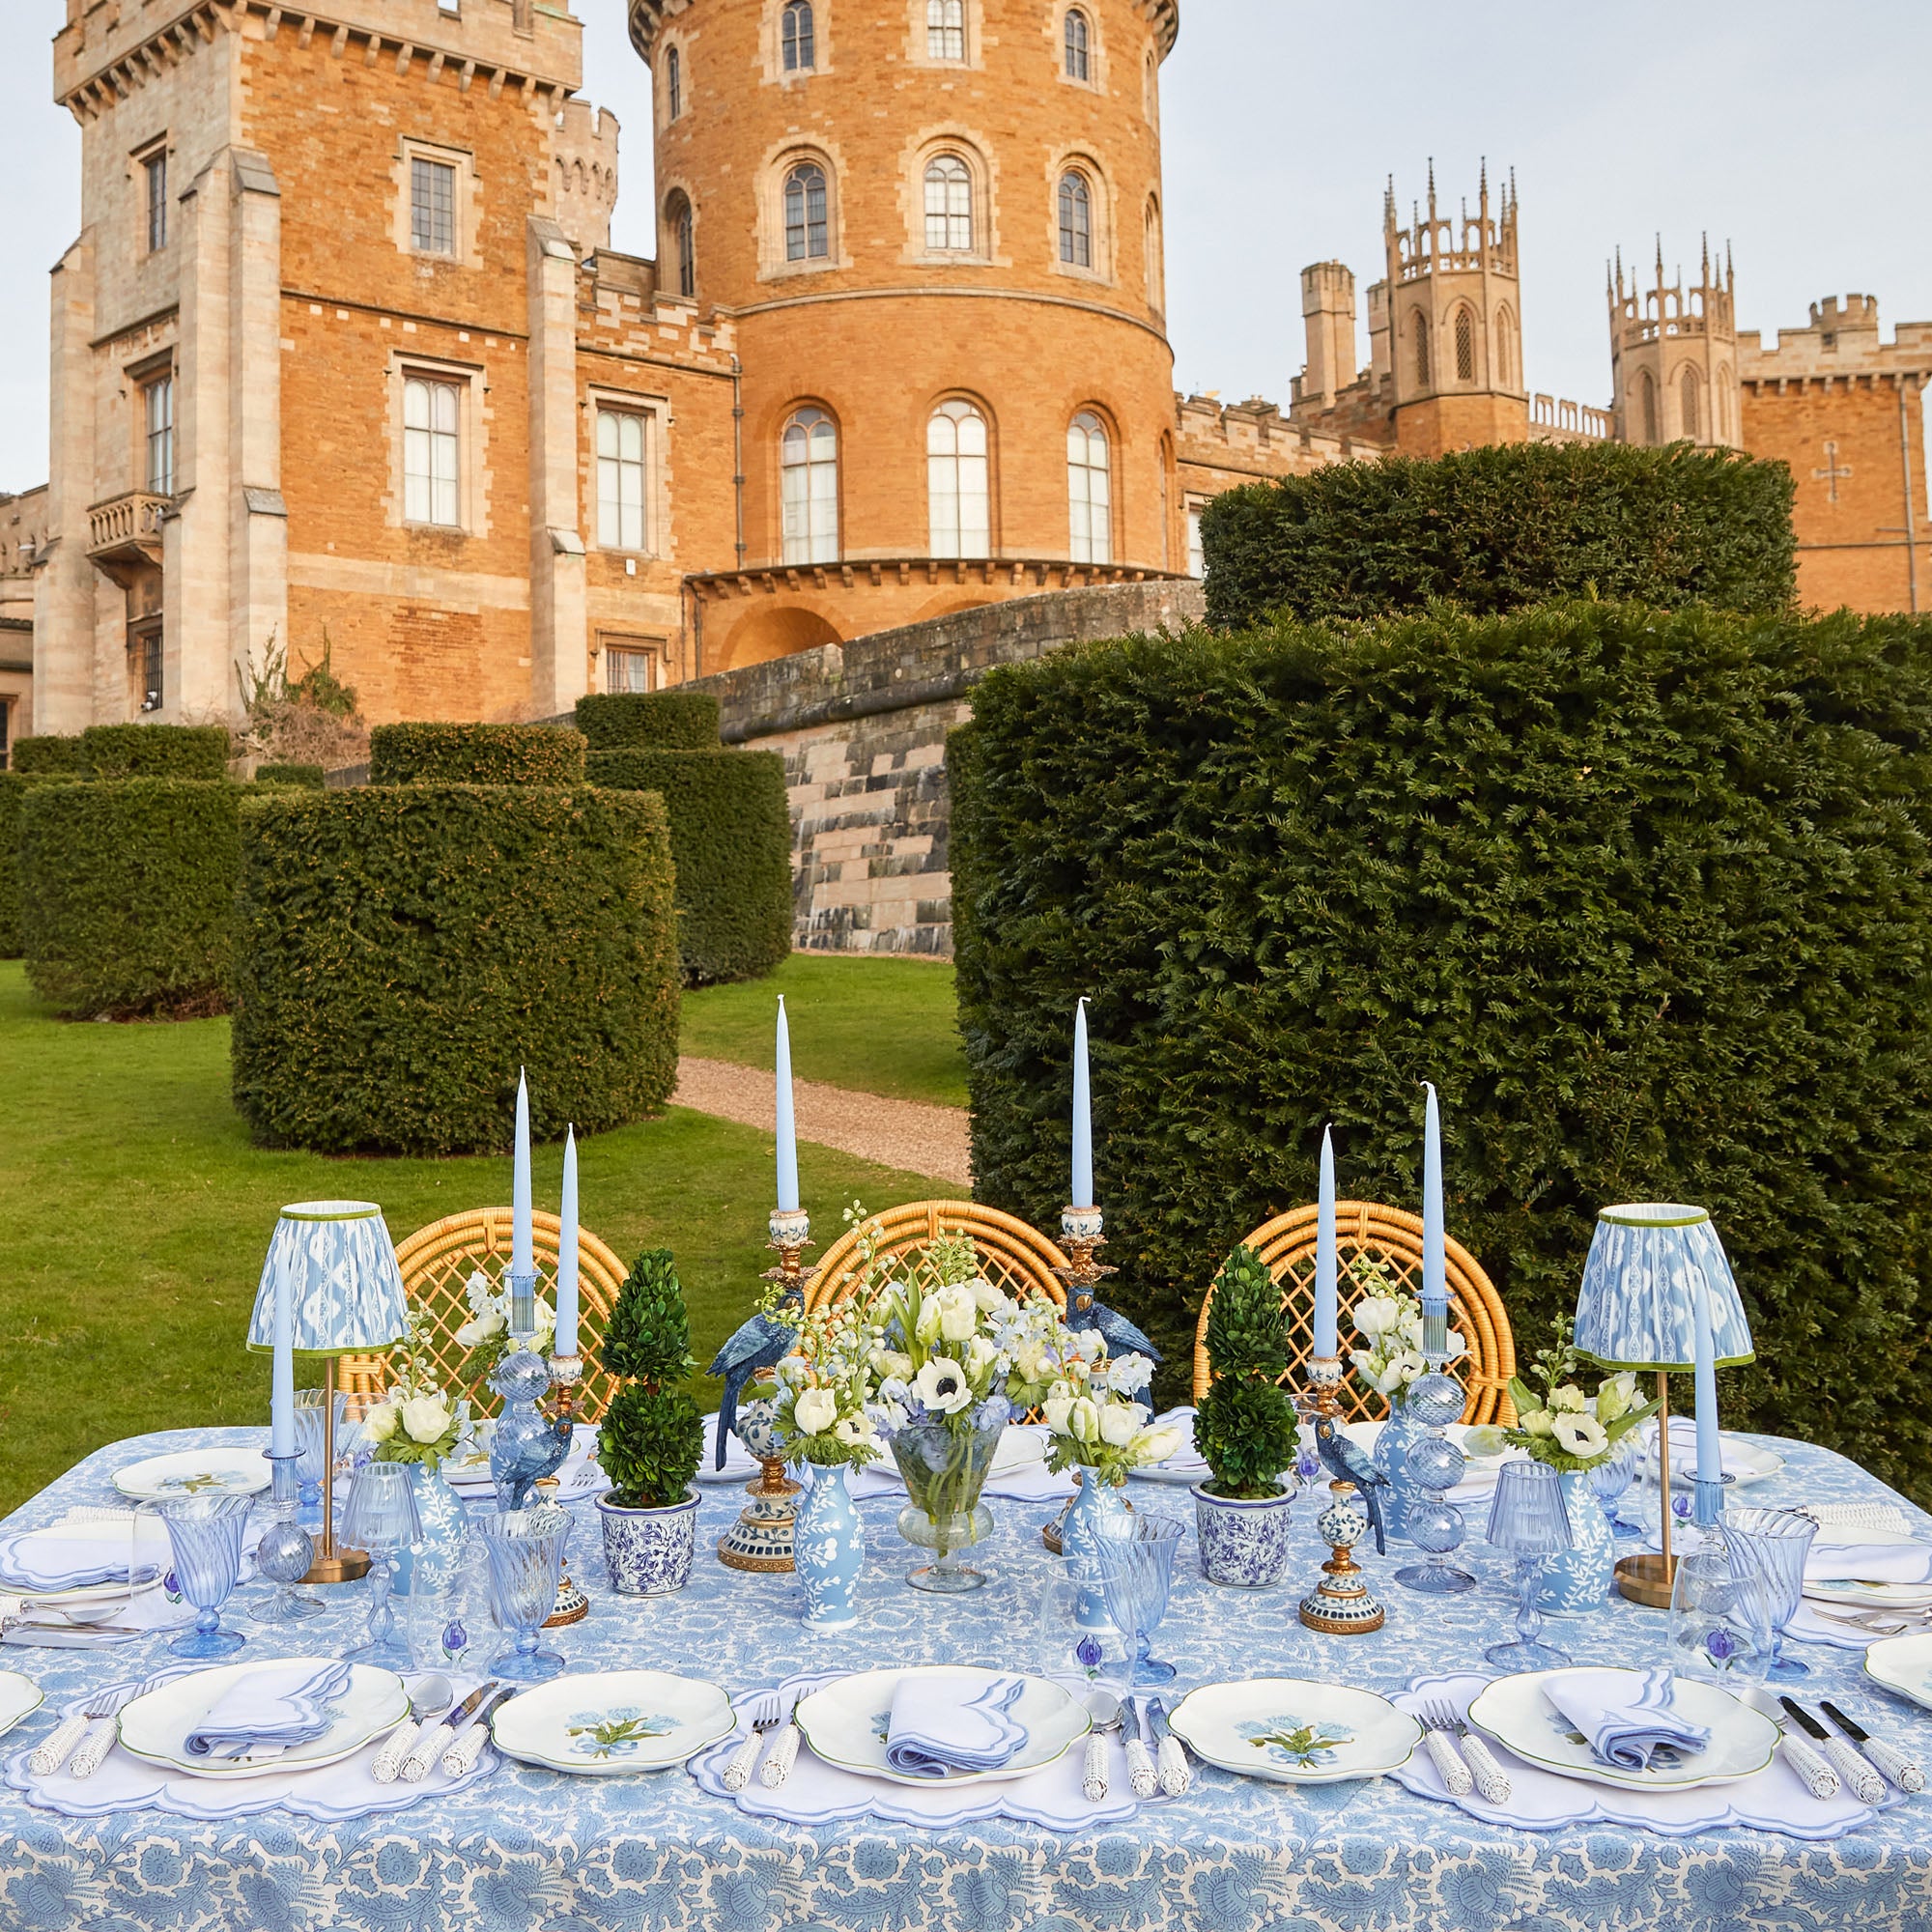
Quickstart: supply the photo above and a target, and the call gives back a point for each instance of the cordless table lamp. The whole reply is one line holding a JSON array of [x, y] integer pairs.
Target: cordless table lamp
[[1637, 1309], [345, 1294]]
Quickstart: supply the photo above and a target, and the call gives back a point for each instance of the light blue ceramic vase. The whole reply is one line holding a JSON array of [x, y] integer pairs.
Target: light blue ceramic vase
[[1577, 1581], [1391, 1457], [426, 1569], [1094, 1502], [829, 1551]]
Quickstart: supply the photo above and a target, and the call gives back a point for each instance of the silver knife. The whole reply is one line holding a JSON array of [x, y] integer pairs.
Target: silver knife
[[1904, 1772], [1171, 1760], [460, 1719]]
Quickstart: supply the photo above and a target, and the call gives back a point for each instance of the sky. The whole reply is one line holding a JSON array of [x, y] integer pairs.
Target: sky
[[1793, 131]]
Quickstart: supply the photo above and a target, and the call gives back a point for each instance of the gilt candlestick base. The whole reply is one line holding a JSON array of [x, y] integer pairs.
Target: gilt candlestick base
[[1341, 1603], [1082, 1229]]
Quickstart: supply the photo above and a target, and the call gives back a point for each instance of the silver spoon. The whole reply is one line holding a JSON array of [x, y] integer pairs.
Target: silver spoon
[[1105, 1710], [430, 1697]]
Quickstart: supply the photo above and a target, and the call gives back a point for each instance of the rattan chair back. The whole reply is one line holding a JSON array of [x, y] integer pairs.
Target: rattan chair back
[[1013, 1256]]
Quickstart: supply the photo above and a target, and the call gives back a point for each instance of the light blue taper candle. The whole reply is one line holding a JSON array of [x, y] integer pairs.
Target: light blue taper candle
[[1083, 1115], [566, 1250], [282, 1378], [522, 1250], [1326, 1286], [1434, 1250], [786, 1133], [1704, 1360]]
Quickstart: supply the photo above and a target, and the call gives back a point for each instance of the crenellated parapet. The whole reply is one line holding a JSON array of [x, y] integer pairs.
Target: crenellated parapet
[[583, 158]]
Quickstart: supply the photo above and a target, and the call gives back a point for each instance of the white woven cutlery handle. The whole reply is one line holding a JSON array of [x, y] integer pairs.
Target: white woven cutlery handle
[[98, 1743], [429, 1745], [1491, 1780], [49, 1756], [1170, 1761], [1861, 1779], [465, 1750], [1094, 1773], [778, 1760], [738, 1773], [389, 1759], [1449, 1762], [1139, 1770], [1820, 1779], [1904, 1772]]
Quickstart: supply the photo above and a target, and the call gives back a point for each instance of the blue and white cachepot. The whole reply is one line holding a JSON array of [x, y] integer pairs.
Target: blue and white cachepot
[[427, 1568], [1577, 1581], [1243, 1541], [829, 1550], [648, 1552], [1094, 1502]]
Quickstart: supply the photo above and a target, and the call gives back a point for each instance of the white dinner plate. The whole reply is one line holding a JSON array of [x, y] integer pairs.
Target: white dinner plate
[[1019, 1448], [1903, 1663], [1745, 1463], [605, 1723], [196, 1472], [1291, 1730], [18, 1696], [1872, 1596], [149, 1552], [845, 1723], [1517, 1714], [156, 1727]]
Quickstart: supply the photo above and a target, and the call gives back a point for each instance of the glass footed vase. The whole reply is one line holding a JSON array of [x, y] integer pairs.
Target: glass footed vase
[[945, 1467]]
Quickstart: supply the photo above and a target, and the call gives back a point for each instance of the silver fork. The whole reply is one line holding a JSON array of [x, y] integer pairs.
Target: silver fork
[[87, 1735], [1438, 1734], [1490, 1777], [763, 1714], [1879, 1622]]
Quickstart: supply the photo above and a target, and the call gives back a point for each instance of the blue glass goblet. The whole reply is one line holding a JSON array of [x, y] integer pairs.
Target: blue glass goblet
[[1773, 1544], [382, 1519], [1136, 1557], [285, 1552], [311, 1412], [1528, 1521], [1609, 1482], [205, 1533], [524, 1548]]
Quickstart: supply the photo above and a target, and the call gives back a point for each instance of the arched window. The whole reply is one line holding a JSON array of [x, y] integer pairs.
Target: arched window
[[804, 201], [1076, 219], [673, 85], [1151, 88], [948, 203], [1078, 36], [1720, 404], [683, 242], [1157, 271], [808, 487], [958, 499], [1503, 364], [946, 30], [1422, 365], [1646, 404], [1465, 345], [795, 36], [1687, 390], [1090, 497]]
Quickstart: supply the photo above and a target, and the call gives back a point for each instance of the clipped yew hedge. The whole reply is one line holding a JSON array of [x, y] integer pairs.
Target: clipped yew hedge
[[662, 721], [515, 754], [127, 887], [402, 950], [1493, 529], [155, 750], [48, 755], [1648, 895], [312, 778], [14, 787], [730, 839]]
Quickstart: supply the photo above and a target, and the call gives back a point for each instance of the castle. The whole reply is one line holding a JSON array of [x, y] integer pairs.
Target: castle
[[342, 352]]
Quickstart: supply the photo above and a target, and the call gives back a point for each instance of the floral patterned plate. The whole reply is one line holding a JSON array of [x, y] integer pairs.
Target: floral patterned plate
[[195, 1472], [1293, 1730], [1903, 1663], [609, 1723]]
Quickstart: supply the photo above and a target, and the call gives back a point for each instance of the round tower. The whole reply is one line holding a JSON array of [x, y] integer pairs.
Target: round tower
[[1674, 356], [937, 227]]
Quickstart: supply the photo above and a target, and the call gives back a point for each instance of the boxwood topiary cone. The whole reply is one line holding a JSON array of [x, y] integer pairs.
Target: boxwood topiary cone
[[1245, 1426]]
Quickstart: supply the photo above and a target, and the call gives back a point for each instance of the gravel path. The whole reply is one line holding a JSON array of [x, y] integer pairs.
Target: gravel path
[[908, 1134]]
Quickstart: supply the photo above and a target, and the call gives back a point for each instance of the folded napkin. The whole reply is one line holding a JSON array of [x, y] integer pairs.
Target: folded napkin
[[1624, 1725], [47, 1559], [1868, 1562], [270, 1711], [942, 1724]]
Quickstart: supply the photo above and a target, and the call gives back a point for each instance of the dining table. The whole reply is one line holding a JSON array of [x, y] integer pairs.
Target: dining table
[[525, 1847]]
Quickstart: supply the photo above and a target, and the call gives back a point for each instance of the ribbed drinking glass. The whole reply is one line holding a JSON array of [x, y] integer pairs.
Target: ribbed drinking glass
[[310, 1412], [1773, 1544], [1527, 1521], [525, 1551], [205, 1533], [1136, 1556], [382, 1519], [1609, 1482]]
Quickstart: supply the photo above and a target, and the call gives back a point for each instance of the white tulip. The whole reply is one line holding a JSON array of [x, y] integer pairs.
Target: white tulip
[[1120, 1423], [1376, 1315], [380, 1423], [958, 1312], [1157, 1445], [1083, 1419], [1056, 1410], [425, 1419], [815, 1411]]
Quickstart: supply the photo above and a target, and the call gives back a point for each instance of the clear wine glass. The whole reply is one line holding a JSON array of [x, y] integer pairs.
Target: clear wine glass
[[526, 1553], [1609, 1482], [382, 1519], [205, 1533], [1136, 1556], [1773, 1544], [1528, 1521], [311, 1412]]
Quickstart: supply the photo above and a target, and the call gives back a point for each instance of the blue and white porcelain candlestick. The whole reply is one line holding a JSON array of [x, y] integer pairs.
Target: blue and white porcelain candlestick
[[1341, 1603], [1435, 1466], [527, 1445]]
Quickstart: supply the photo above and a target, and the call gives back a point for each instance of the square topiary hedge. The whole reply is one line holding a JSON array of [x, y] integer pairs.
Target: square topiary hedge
[[1648, 895], [402, 950], [127, 895], [311, 778], [730, 839], [14, 787], [1492, 529], [48, 754], [525, 754], [155, 750], [662, 721]]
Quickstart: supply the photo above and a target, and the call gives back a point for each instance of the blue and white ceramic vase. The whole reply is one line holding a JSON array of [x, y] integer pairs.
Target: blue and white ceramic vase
[[1391, 1457], [829, 1551], [1577, 1581], [1243, 1542], [1094, 1503], [648, 1552], [427, 1568]]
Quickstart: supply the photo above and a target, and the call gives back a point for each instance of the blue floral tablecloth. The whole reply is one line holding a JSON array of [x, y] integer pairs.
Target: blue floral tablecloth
[[530, 1849]]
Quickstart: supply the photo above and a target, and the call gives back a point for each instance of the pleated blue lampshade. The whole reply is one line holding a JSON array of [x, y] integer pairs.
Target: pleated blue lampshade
[[1635, 1309], [345, 1287]]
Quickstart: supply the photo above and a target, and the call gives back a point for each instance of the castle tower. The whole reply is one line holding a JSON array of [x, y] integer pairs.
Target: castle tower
[[937, 227], [1674, 356], [1453, 310], [1328, 315]]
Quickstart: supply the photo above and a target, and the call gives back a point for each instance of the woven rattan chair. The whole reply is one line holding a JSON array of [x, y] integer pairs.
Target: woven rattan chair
[[1013, 1256], [437, 1262], [1389, 1235]]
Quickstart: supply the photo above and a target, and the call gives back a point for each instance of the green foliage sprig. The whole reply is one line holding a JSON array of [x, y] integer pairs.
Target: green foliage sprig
[[1245, 1426]]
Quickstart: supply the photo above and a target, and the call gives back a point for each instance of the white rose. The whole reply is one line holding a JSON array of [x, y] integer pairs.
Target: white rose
[[1567, 1400], [959, 1313], [425, 1419], [1120, 1423], [1581, 1435], [941, 1385], [380, 1424], [1057, 1408], [1157, 1445], [816, 1411], [1083, 1419], [986, 1297], [1376, 1315]]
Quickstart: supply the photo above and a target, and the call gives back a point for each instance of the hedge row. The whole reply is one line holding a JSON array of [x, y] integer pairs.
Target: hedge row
[[14, 786], [403, 949], [730, 838], [1648, 896], [525, 754], [48, 755], [1493, 529], [659, 720], [129, 751], [311, 778], [128, 895]]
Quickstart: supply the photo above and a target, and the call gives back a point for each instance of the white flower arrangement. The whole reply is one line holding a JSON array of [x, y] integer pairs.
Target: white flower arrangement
[[823, 1388], [415, 1421], [1391, 1322], [486, 1335], [1565, 1428]]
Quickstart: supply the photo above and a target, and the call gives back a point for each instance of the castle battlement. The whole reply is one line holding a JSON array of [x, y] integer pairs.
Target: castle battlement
[[623, 309], [1253, 437], [1842, 339], [583, 151]]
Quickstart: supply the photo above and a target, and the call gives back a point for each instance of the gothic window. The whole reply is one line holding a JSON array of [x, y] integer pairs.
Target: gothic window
[[946, 30], [1078, 36], [432, 207], [620, 480], [673, 85], [959, 498], [1646, 404], [948, 204], [1156, 269], [684, 242], [155, 169], [432, 451], [804, 205], [1465, 345], [1421, 350], [1151, 88], [1090, 489], [1502, 366], [158, 409], [1687, 390], [1076, 220], [808, 488], [795, 35]]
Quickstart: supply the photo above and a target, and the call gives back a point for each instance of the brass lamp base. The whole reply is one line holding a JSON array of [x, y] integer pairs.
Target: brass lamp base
[[331, 1564], [1647, 1579], [341, 1566]]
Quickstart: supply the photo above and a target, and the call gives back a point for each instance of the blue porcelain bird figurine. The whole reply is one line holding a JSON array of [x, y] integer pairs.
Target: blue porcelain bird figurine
[[762, 1342], [1347, 1463], [1119, 1334]]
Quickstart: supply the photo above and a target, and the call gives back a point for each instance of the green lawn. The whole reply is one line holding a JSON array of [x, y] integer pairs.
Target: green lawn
[[883, 1026], [138, 1213]]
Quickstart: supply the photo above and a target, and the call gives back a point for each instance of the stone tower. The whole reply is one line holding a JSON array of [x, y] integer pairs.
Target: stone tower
[[937, 224], [1328, 315], [1453, 314], [1674, 356]]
